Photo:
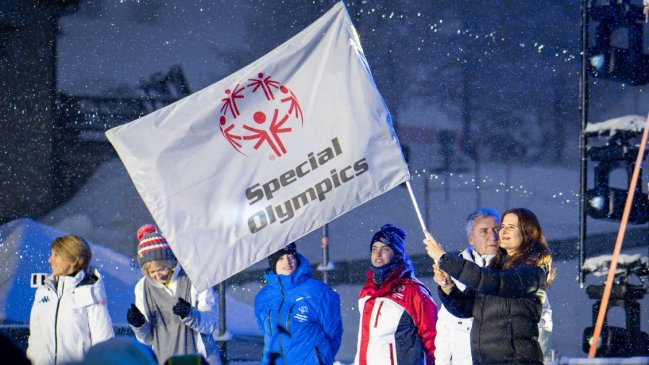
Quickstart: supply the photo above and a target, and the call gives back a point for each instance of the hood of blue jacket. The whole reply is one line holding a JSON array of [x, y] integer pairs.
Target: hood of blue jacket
[[300, 275]]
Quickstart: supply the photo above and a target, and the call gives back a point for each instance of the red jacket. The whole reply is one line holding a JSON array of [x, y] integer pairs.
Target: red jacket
[[397, 325]]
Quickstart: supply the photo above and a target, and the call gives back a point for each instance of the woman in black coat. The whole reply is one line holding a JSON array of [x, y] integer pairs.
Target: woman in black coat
[[504, 298]]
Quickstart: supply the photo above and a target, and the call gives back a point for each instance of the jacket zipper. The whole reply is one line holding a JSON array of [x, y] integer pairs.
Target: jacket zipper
[[288, 319], [317, 355], [392, 354], [56, 323], [270, 324], [378, 314], [279, 319]]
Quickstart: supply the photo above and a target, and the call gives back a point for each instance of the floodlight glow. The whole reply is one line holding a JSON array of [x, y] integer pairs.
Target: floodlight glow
[[597, 202], [597, 61]]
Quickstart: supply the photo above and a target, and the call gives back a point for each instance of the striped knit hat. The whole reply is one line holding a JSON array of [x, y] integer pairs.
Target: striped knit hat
[[152, 246]]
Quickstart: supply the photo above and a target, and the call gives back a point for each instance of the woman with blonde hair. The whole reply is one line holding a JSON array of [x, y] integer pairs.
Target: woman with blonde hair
[[169, 313], [506, 297], [69, 314]]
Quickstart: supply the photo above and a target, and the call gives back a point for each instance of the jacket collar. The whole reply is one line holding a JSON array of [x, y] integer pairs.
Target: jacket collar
[[388, 284], [64, 282], [480, 260]]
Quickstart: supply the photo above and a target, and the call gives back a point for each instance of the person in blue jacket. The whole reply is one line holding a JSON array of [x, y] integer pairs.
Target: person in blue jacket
[[299, 316]]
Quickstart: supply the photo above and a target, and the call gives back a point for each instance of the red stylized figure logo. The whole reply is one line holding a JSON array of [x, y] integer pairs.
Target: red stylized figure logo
[[257, 114]]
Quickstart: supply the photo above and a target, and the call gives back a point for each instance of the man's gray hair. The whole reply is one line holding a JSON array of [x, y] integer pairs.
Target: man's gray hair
[[479, 213]]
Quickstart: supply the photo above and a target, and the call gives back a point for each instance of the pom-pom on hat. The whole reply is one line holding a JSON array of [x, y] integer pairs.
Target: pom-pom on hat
[[392, 236], [152, 246], [291, 248]]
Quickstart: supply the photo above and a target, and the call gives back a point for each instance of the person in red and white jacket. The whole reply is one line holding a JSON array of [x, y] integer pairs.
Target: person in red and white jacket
[[398, 315]]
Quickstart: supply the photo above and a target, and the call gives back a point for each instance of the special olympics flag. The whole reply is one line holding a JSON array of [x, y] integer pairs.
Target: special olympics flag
[[261, 158]]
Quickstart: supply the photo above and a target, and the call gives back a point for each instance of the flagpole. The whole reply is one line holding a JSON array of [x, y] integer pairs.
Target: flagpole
[[414, 204], [326, 265], [223, 349]]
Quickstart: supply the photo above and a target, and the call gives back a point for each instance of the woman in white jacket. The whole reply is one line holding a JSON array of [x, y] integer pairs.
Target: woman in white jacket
[[169, 314], [69, 313]]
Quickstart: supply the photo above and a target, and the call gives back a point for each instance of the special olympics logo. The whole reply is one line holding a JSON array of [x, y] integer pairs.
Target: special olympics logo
[[257, 115]]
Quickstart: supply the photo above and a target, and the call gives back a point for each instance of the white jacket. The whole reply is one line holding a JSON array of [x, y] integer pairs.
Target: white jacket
[[202, 319], [545, 331], [67, 319], [453, 340]]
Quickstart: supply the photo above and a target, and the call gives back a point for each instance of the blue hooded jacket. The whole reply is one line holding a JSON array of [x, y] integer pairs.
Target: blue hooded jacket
[[300, 318]]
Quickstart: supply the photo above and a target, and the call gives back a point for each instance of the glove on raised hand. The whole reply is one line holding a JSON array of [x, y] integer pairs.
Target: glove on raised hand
[[134, 317], [182, 308]]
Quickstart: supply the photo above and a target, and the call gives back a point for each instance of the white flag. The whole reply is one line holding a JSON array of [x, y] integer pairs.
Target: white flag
[[261, 158]]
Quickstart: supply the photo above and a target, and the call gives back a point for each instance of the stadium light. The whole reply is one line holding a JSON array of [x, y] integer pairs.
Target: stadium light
[[628, 65], [606, 202]]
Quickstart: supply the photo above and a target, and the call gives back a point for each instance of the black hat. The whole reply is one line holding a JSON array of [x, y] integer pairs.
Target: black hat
[[392, 236], [273, 258]]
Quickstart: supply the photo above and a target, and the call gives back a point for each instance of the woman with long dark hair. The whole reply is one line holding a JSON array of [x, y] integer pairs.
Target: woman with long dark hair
[[504, 298]]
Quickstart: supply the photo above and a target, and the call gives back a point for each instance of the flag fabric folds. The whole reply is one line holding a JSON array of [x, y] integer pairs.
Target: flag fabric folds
[[236, 171]]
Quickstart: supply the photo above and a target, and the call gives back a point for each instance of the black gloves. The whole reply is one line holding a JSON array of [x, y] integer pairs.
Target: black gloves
[[182, 308], [134, 317]]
